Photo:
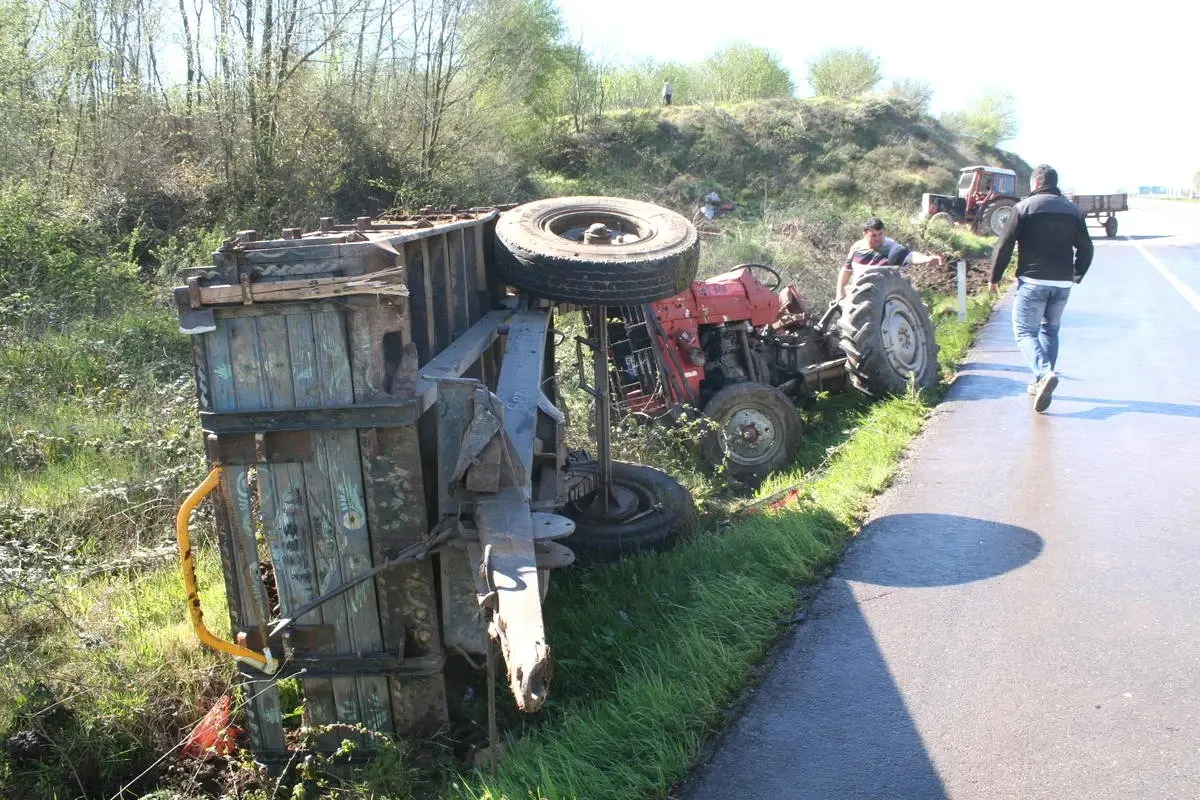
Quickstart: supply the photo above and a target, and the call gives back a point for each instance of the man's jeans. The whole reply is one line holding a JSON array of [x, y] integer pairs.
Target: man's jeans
[[1036, 314]]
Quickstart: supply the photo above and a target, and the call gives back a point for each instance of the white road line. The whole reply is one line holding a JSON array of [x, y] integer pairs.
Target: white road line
[[1171, 277]]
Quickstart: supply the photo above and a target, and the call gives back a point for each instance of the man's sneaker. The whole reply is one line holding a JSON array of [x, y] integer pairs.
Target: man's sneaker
[[1031, 388], [1046, 386]]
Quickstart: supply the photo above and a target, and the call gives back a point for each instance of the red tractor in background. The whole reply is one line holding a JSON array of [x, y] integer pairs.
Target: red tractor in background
[[985, 200]]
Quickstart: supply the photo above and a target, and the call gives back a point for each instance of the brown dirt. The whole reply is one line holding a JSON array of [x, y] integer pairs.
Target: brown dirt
[[945, 278]]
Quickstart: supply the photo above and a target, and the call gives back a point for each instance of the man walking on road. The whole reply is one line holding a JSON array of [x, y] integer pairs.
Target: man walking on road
[[1054, 254]]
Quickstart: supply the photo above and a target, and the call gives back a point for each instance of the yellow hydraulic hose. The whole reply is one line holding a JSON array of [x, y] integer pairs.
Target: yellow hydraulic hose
[[262, 661]]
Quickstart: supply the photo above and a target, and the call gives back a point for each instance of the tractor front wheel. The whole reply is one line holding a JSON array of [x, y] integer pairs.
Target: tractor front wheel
[[757, 430]]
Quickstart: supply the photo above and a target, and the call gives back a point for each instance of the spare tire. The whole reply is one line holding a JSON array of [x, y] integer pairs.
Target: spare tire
[[887, 334], [597, 250]]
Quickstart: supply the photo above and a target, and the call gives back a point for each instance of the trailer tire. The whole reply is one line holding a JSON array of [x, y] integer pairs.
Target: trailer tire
[[887, 334], [771, 416], [540, 250], [661, 511], [1110, 227]]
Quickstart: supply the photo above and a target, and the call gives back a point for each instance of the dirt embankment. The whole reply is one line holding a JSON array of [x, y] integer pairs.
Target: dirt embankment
[[945, 278]]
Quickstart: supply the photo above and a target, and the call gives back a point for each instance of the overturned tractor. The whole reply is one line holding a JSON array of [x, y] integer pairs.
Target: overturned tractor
[[744, 353]]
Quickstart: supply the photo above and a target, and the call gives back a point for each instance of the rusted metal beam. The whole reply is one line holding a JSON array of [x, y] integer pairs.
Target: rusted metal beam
[[505, 521]]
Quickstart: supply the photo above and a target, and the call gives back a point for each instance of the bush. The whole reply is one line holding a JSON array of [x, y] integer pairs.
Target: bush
[[54, 267], [844, 74]]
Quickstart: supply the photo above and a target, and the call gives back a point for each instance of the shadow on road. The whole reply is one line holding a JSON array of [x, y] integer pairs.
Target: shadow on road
[[1106, 409], [921, 550], [986, 387], [829, 720]]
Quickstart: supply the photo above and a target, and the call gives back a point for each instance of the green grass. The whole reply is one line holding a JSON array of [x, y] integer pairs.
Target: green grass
[[112, 677]]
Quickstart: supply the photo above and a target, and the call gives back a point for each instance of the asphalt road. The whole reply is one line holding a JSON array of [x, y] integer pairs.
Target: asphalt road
[[1020, 616]]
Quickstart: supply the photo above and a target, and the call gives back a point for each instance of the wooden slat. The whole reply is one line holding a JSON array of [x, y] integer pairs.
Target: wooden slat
[[456, 264], [394, 489], [282, 491], [440, 305], [421, 323], [235, 538]]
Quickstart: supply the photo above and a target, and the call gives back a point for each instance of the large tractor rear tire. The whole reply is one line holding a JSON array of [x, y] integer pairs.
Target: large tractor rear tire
[[997, 215], [597, 250], [887, 334]]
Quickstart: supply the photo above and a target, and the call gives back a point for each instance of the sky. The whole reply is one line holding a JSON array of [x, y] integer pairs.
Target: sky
[[1110, 98]]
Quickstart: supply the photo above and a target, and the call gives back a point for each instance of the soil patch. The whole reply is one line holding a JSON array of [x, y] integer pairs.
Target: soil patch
[[945, 278]]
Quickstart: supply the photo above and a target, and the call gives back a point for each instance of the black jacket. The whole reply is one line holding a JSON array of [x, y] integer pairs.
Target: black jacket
[[1053, 238]]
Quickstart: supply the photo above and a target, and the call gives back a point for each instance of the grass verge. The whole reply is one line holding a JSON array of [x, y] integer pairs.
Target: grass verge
[[650, 662]]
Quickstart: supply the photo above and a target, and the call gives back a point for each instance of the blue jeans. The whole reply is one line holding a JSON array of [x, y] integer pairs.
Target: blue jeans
[[1036, 315]]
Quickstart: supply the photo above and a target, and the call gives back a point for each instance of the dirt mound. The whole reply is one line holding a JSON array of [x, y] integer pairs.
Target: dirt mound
[[945, 278]]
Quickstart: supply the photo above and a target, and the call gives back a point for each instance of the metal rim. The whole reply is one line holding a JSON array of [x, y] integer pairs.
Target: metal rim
[[627, 499], [597, 226], [903, 337], [1000, 219], [751, 435]]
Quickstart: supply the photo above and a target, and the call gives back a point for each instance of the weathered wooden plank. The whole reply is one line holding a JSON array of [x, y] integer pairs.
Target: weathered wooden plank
[[387, 282], [356, 373], [395, 499], [282, 492], [235, 535], [476, 281], [419, 287], [335, 503], [278, 309], [264, 717], [457, 359], [456, 266], [440, 296]]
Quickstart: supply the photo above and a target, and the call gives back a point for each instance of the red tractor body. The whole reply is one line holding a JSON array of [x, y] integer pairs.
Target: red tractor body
[[986, 196]]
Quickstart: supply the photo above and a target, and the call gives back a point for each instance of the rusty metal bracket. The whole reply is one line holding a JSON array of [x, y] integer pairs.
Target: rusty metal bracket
[[487, 449]]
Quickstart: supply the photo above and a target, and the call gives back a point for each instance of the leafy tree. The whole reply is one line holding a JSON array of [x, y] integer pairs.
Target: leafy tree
[[744, 72], [917, 93], [844, 74], [991, 118]]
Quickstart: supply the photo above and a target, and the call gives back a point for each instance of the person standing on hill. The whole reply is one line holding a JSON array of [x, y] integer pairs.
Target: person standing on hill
[[666, 93], [1054, 251]]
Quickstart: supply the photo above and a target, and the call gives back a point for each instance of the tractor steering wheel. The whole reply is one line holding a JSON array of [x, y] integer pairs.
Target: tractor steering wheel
[[778, 278]]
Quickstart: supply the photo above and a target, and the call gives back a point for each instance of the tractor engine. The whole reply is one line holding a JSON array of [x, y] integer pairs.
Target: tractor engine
[[726, 330]]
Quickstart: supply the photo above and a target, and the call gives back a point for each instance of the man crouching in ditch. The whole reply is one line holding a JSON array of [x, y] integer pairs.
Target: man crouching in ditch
[[1054, 254], [877, 249]]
